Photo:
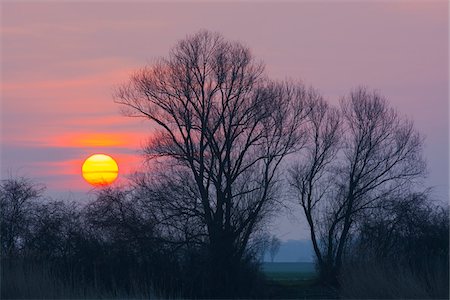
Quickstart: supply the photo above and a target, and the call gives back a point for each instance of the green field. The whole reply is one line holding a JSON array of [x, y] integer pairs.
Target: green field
[[294, 281], [288, 271]]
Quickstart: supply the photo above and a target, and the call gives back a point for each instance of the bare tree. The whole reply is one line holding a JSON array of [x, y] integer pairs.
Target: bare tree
[[219, 117], [350, 168], [310, 176], [274, 247], [17, 196], [408, 241], [170, 197]]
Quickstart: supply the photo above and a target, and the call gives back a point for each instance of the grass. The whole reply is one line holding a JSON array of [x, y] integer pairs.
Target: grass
[[36, 281], [294, 281], [376, 281], [381, 281], [286, 271]]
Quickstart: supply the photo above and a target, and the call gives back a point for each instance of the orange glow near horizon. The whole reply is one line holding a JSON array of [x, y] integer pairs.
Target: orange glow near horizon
[[100, 170], [99, 139]]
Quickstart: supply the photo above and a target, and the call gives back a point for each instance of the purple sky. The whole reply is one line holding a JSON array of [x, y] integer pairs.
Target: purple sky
[[61, 61]]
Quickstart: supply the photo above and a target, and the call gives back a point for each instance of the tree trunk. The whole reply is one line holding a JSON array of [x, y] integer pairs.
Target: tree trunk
[[223, 265]]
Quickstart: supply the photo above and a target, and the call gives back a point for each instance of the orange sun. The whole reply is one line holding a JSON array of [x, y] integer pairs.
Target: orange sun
[[100, 170]]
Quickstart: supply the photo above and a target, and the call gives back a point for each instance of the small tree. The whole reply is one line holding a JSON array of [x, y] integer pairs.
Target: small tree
[[407, 242], [17, 196], [274, 247]]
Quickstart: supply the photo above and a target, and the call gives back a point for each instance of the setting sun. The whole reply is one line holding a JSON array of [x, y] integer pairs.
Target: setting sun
[[100, 169]]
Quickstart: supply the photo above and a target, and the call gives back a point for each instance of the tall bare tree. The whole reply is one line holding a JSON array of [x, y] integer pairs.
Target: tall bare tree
[[311, 176], [219, 117], [350, 168]]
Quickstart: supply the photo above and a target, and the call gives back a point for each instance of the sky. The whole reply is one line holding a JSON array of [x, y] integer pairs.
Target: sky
[[61, 61]]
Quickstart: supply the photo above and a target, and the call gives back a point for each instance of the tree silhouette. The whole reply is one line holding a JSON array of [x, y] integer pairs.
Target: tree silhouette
[[274, 247], [17, 198], [351, 166], [219, 117]]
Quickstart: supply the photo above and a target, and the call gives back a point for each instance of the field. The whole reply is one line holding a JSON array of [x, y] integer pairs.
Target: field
[[287, 271], [294, 280]]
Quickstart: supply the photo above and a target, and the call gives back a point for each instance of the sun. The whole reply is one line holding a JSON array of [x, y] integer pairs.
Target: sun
[[100, 170]]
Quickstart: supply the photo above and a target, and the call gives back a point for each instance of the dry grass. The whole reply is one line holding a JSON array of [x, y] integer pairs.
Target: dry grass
[[383, 281], [36, 281]]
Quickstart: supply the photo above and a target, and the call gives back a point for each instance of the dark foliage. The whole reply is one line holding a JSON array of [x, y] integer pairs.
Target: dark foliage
[[112, 247], [406, 245]]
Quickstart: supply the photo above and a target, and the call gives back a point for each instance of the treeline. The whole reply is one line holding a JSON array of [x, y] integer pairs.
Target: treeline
[[122, 245], [118, 245]]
